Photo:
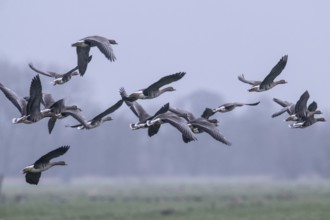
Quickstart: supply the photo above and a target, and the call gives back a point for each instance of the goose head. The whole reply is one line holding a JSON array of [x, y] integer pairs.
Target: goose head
[[75, 73], [282, 81], [113, 42], [169, 89], [108, 118]]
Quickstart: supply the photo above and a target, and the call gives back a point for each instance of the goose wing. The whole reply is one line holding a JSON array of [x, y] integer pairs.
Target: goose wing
[[78, 117], [51, 124], [183, 113], [109, 110], [153, 129], [49, 74], [83, 57], [301, 105], [17, 101], [251, 104], [251, 82], [281, 102], [32, 178], [207, 113], [135, 107], [103, 44], [179, 124], [164, 81], [312, 107], [285, 109], [211, 129], [277, 69], [52, 154], [35, 99]]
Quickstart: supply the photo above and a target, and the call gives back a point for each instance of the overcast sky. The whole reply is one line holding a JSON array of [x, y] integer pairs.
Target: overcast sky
[[213, 41]]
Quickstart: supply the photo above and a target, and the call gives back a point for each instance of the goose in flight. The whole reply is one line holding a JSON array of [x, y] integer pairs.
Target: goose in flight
[[268, 82], [140, 112], [208, 112], [96, 121], [154, 122], [33, 172], [301, 111], [59, 78], [154, 89], [201, 124], [83, 46], [310, 120], [29, 106]]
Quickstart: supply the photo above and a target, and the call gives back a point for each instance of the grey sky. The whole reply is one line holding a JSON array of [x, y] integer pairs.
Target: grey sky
[[213, 41]]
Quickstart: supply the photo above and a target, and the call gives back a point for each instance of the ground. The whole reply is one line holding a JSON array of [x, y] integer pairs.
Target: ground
[[168, 199]]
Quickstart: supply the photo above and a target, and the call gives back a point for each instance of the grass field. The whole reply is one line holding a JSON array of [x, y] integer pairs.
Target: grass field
[[157, 200]]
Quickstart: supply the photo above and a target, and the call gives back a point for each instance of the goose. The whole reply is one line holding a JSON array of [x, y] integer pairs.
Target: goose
[[301, 111], [59, 78], [268, 82], [83, 46], [310, 120], [287, 107], [96, 121], [154, 122], [201, 124], [154, 90], [208, 112], [29, 107], [33, 172], [140, 112]]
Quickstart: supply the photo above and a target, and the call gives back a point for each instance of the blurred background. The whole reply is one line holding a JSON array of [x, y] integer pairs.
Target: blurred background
[[213, 41]]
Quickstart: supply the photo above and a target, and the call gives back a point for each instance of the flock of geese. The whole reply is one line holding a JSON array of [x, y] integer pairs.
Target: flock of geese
[[38, 105]]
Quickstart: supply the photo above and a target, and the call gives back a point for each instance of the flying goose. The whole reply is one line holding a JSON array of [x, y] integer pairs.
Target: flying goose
[[29, 107], [268, 82], [83, 46], [139, 111], [208, 112], [33, 172], [154, 90], [301, 111], [59, 78], [96, 121], [200, 124], [310, 120]]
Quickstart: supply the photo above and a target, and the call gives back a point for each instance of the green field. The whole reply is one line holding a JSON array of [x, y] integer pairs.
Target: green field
[[139, 200]]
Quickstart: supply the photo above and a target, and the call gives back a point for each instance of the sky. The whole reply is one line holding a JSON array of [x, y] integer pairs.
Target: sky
[[213, 41]]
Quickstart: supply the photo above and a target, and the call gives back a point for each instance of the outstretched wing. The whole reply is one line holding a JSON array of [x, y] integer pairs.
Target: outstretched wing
[[83, 59], [52, 154], [19, 102], [49, 74], [35, 99], [109, 110], [301, 105], [103, 44], [164, 81], [277, 69], [251, 82]]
